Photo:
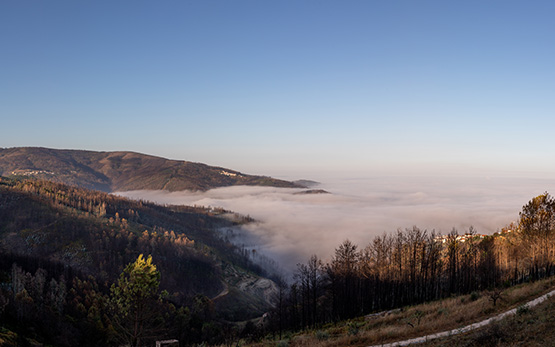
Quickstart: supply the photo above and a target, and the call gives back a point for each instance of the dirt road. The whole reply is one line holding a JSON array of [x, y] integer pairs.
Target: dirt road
[[467, 328]]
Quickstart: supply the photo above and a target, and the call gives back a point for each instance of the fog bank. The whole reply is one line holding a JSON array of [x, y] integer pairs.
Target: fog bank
[[294, 226]]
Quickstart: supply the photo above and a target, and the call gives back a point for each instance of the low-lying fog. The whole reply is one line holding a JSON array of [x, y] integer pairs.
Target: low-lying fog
[[294, 226]]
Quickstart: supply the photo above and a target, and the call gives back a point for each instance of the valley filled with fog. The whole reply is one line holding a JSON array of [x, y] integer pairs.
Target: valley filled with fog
[[291, 227]]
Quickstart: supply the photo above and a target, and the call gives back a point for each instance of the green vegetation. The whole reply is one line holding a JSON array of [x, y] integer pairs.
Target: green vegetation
[[136, 302]]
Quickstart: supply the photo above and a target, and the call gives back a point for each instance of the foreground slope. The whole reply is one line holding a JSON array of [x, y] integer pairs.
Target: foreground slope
[[122, 171], [524, 325], [528, 327]]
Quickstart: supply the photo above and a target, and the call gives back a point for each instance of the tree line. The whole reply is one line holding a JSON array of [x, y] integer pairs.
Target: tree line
[[413, 265]]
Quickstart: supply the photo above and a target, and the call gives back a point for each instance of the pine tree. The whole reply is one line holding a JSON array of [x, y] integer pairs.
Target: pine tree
[[136, 301]]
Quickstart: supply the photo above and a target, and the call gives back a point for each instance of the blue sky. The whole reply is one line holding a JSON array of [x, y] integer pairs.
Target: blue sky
[[287, 87]]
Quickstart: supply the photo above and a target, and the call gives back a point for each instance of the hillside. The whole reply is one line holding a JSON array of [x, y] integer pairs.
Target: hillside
[[122, 171], [530, 326], [98, 234]]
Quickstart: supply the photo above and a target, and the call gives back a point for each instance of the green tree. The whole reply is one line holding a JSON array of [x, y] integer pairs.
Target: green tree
[[136, 302]]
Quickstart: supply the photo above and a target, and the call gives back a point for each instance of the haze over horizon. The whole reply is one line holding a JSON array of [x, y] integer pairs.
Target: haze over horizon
[[287, 89], [291, 227]]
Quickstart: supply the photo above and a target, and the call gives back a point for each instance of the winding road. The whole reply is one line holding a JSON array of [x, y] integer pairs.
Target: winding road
[[467, 328]]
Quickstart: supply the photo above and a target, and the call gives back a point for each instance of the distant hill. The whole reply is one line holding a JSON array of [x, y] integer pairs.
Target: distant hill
[[307, 183], [123, 171], [312, 192]]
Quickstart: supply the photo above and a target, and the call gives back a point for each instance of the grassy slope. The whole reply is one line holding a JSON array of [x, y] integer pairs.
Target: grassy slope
[[532, 328]]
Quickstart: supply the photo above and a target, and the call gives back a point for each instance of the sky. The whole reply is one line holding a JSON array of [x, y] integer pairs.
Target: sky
[[287, 88]]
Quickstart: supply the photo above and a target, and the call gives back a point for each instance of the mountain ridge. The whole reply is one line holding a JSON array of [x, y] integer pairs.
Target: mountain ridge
[[123, 170]]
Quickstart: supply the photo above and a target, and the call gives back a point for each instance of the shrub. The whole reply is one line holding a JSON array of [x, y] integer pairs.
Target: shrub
[[522, 309], [353, 328], [488, 310], [322, 335], [491, 335]]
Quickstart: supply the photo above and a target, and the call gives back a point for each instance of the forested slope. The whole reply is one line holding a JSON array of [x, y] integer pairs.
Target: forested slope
[[54, 236]]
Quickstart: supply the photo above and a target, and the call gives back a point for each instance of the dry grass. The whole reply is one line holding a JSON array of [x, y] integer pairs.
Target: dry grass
[[419, 320], [535, 327]]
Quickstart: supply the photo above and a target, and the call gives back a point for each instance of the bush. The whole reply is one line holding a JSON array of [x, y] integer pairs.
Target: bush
[[322, 335], [522, 309], [488, 310], [474, 296], [353, 328], [492, 335]]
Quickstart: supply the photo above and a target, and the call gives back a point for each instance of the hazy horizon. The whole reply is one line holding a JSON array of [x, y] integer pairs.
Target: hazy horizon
[[432, 113], [291, 227]]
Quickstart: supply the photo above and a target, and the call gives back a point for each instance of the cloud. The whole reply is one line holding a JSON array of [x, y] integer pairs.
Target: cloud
[[292, 227]]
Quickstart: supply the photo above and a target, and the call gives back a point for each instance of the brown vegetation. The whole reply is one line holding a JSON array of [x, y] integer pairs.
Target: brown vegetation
[[61, 247], [446, 314], [415, 266], [122, 171]]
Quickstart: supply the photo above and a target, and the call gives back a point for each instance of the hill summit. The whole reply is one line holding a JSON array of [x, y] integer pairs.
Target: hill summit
[[123, 171]]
